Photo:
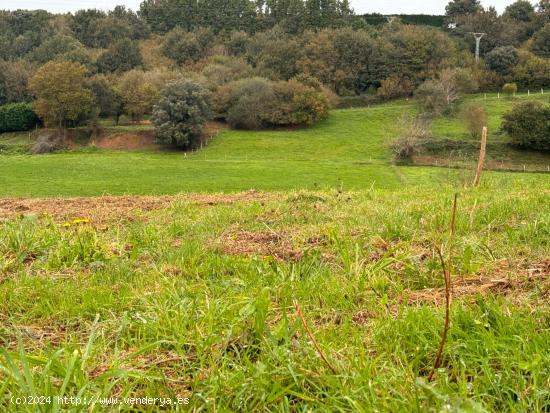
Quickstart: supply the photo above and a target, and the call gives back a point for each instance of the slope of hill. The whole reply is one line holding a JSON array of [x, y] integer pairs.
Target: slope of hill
[[348, 151]]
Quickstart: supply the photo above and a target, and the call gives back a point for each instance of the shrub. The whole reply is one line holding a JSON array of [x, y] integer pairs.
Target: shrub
[[245, 103], [439, 95], [17, 117], [257, 103], [47, 143], [474, 118], [528, 126], [416, 132], [431, 97], [181, 113], [395, 87], [502, 59], [510, 89]]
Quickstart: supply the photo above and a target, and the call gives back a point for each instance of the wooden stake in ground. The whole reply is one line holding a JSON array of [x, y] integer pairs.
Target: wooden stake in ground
[[481, 156], [447, 270]]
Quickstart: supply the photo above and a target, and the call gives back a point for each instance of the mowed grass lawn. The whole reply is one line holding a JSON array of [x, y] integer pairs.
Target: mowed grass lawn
[[195, 299]]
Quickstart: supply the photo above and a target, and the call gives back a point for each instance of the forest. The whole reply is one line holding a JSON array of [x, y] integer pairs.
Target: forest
[[307, 56]]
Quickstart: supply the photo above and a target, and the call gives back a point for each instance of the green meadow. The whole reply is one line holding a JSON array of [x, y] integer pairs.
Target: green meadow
[[195, 296], [347, 151]]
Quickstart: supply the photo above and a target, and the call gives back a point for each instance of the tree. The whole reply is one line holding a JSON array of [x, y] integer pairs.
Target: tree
[[528, 126], [532, 71], [182, 46], [541, 42], [502, 59], [180, 115], [521, 15], [257, 103], [431, 96], [14, 78], [458, 9], [62, 93], [138, 93], [55, 46], [84, 25], [520, 11], [122, 56], [108, 100]]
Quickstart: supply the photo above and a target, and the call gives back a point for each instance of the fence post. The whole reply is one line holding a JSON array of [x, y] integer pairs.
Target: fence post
[[481, 156]]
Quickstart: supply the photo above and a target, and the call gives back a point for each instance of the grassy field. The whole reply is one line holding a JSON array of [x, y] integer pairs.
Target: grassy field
[[453, 129], [192, 297], [348, 151]]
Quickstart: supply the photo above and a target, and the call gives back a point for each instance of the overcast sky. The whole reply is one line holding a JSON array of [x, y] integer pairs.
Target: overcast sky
[[360, 6]]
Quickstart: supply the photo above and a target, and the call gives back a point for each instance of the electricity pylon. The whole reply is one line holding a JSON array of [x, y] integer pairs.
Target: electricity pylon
[[478, 37]]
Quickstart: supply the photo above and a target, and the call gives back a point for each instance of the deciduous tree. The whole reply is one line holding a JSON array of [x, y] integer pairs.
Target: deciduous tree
[[62, 92]]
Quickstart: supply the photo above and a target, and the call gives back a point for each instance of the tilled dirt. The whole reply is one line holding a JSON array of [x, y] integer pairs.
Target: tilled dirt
[[261, 243], [523, 281], [110, 207]]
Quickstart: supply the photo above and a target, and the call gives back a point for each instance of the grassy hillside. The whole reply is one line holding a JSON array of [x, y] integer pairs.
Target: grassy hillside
[[193, 297], [348, 151], [453, 129]]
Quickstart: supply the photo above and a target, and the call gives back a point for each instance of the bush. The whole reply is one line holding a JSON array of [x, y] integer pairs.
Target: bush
[[510, 89], [17, 117], [431, 97], [502, 59], [395, 87], [257, 103], [474, 118], [48, 143], [528, 126], [181, 113], [416, 132]]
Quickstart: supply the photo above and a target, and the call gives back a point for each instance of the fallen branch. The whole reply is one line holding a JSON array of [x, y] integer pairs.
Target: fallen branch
[[447, 269], [311, 336]]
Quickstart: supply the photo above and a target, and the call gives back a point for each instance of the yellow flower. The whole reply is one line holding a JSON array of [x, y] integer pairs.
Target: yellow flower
[[81, 221], [66, 225]]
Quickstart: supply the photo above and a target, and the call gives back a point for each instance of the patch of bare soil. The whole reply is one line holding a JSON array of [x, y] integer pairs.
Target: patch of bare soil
[[501, 283], [127, 141], [105, 208], [261, 243]]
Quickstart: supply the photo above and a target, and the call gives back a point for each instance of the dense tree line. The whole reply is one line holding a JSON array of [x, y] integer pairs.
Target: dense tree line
[[123, 60]]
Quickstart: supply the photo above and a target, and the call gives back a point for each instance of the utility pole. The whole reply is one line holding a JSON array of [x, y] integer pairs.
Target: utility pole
[[478, 37]]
